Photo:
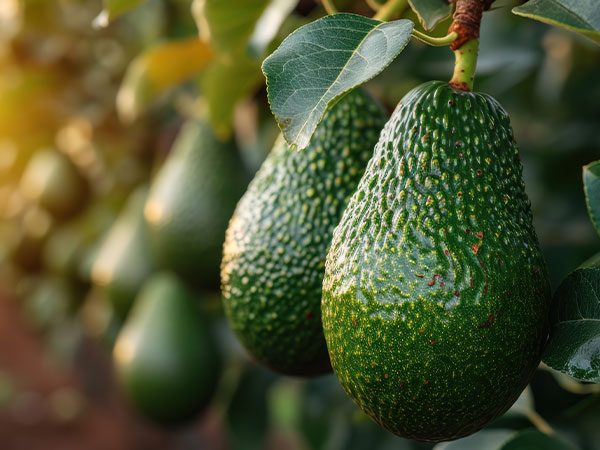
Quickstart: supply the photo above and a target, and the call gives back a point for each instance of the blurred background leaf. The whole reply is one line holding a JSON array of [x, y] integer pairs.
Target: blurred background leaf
[[113, 9], [158, 69]]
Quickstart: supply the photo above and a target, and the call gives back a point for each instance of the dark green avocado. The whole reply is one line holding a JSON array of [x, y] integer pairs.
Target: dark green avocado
[[191, 200], [124, 259], [277, 240], [165, 357], [436, 295]]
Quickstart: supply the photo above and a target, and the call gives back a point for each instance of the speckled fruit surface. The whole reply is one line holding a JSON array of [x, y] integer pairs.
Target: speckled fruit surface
[[277, 240], [436, 295]]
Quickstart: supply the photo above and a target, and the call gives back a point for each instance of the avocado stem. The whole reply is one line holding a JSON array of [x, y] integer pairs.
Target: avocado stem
[[329, 6], [539, 422], [464, 66], [374, 5], [435, 41], [389, 9]]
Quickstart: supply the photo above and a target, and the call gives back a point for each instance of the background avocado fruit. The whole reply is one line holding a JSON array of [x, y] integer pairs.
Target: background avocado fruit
[[71, 248], [436, 296], [165, 357], [191, 200], [53, 182], [277, 240], [30, 231], [125, 260]]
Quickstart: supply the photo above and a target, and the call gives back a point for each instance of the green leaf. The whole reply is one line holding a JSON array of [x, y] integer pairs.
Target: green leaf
[[431, 12], [321, 61], [535, 440], [158, 69], [228, 23], [593, 261], [224, 84], [574, 345], [591, 187], [579, 16], [113, 9], [490, 439]]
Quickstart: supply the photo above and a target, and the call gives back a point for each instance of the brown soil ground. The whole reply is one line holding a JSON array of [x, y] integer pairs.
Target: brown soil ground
[[30, 421]]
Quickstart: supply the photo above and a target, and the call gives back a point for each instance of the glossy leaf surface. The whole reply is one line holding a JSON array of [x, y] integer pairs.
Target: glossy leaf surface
[[574, 346]]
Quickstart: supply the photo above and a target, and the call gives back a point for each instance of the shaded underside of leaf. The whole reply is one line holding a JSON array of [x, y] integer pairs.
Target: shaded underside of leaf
[[574, 345], [591, 186], [579, 16], [157, 69], [323, 60], [489, 439], [431, 12]]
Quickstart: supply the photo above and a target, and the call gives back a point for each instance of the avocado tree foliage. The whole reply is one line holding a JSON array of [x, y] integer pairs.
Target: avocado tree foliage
[[308, 71]]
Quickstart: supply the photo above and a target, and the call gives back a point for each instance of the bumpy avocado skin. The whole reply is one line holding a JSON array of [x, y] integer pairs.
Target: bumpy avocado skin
[[191, 200], [277, 240], [436, 295]]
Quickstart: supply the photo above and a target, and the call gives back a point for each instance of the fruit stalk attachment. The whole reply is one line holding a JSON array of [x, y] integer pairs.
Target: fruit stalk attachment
[[465, 23]]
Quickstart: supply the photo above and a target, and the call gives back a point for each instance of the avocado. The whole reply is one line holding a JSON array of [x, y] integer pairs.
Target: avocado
[[53, 182], [277, 240], [191, 200], [165, 357], [125, 260], [436, 295]]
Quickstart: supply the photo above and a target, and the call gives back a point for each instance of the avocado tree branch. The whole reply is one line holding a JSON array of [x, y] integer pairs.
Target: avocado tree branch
[[373, 4], [465, 23]]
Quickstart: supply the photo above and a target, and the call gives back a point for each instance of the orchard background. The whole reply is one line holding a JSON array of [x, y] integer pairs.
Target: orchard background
[[104, 88]]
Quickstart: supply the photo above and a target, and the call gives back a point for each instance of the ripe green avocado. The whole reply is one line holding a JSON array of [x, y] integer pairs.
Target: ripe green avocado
[[436, 295], [191, 201], [277, 240], [124, 260], [165, 357]]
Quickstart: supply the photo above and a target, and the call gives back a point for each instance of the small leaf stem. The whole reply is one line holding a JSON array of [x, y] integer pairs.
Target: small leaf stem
[[374, 5], [446, 40], [390, 8], [329, 6], [539, 422], [464, 66]]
